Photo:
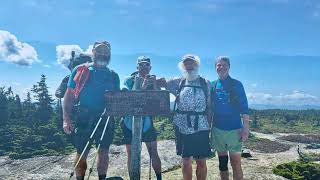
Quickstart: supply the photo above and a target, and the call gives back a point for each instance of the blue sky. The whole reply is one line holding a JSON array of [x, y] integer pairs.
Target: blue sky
[[272, 43]]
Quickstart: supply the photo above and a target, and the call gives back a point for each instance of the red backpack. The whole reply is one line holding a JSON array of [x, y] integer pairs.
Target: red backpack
[[81, 78]]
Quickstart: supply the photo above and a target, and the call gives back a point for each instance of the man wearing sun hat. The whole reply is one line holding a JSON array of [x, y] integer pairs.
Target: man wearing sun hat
[[192, 117], [86, 88]]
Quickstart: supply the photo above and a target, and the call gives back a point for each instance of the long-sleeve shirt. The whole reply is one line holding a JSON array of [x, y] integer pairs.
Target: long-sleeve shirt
[[226, 111]]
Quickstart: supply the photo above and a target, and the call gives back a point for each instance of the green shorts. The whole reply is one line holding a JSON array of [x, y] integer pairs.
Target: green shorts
[[226, 140]]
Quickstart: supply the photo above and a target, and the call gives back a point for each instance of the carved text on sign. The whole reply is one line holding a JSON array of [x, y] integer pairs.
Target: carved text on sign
[[137, 103]]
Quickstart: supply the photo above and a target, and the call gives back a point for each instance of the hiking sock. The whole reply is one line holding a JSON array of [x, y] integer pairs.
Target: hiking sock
[[159, 176], [80, 177], [102, 176]]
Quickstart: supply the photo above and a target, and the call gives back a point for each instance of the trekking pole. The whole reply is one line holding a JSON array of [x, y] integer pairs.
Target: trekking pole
[[60, 110], [101, 138], [150, 161], [88, 142]]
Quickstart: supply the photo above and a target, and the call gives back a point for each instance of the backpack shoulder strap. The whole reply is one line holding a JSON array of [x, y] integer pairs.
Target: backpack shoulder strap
[[234, 97], [204, 86], [113, 77], [181, 85], [213, 88]]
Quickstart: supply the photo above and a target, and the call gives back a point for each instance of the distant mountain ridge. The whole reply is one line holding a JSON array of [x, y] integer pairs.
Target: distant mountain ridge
[[288, 107]]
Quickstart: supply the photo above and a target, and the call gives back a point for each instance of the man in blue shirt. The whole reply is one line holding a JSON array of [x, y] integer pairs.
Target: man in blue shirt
[[86, 88], [230, 105]]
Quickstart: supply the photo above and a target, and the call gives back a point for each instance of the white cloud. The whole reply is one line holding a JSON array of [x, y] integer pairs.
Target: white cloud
[[64, 53], [299, 96], [89, 50], [14, 51], [259, 98], [294, 98]]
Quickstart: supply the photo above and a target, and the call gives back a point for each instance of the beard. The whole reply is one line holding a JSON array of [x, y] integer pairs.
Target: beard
[[191, 75], [102, 63]]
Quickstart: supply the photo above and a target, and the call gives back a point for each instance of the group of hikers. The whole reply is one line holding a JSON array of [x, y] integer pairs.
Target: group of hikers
[[206, 115]]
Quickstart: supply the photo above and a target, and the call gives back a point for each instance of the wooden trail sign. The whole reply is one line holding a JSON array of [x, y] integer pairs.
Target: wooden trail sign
[[137, 103]]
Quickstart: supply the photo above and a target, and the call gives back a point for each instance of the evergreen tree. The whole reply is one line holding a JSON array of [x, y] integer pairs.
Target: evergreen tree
[[43, 99], [4, 113]]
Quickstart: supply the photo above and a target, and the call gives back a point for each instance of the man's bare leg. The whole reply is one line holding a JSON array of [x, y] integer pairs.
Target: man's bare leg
[[153, 152], [201, 171], [235, 160], [103, 162], [82, 166], [128, 148], [187, 168]]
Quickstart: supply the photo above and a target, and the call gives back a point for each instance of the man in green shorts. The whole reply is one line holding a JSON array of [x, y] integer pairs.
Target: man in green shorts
[[230, 120]]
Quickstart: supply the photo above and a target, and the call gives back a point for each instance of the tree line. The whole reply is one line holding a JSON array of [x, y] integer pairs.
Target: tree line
[[33, 126]]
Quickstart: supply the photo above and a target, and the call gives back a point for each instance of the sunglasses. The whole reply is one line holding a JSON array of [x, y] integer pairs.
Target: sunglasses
[[144, 64]]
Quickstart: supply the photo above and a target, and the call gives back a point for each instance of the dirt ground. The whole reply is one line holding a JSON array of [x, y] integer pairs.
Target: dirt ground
[[308, 139]]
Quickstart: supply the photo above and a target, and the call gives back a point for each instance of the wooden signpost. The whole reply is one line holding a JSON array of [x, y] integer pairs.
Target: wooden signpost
[[137, 104]]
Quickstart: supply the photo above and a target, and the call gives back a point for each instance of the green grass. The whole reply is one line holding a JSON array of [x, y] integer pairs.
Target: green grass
[[298, 170], [268, 126]]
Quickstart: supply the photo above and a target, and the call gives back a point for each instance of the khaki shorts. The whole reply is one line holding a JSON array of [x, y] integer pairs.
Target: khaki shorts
[[226, 140]]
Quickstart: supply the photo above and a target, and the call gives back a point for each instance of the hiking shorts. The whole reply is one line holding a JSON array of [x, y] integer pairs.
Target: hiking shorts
[[149, 136], [193, 145], [84, 126], [226, 140]]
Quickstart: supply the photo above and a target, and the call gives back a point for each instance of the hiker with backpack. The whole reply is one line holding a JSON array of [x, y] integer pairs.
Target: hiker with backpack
[[86, 88], [229, 106], [142, 80], [192, 117]]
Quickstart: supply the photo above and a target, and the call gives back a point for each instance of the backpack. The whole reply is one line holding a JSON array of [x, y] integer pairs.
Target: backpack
[[61, 90], [204, 87]]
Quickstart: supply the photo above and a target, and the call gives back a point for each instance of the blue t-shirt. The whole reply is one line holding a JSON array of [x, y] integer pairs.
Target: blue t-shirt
[[147, 121], [226, 115], [92, 94]]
